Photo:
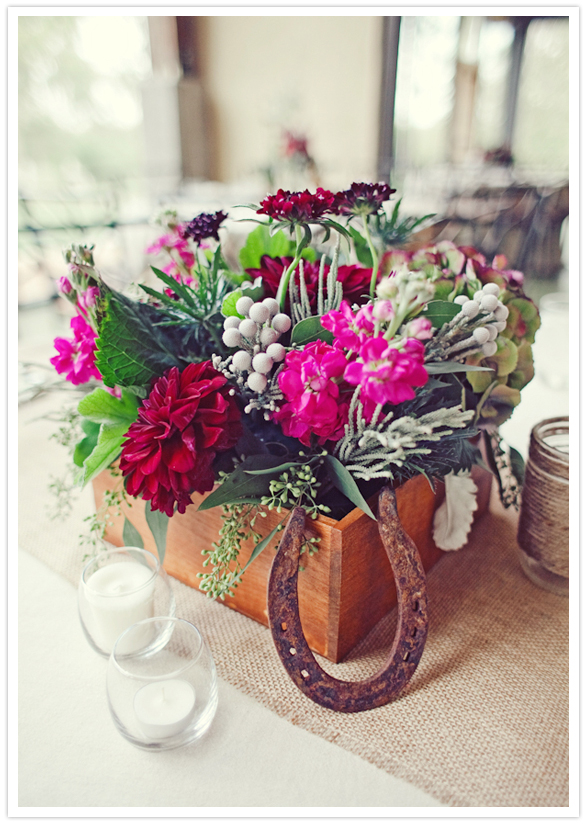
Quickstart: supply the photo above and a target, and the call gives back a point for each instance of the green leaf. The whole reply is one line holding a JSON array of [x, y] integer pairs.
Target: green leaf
[[132, 348], [518, 465], [440, 312], [90, 428], [262, 545], [131, 536], [444, 367], [343, 481], [106, 450], [84, 447], [158, 523], [310, 329], [101, 407], [361, 247], [240, 486], [179, 288], [229, 303], [260, 242]]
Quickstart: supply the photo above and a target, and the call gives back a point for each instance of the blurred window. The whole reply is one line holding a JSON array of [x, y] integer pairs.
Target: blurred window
[[541, 134], [495, 42]]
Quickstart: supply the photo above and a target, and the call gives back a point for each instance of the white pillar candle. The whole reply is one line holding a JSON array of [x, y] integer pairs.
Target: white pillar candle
[[121, 594], [164, 709]]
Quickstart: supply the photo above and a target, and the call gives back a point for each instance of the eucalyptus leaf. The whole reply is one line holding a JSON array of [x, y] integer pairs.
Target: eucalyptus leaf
[[343, 481], [441, 312], [158, 523], [131, 536], [310, 329], [444, 367], [262, 545], [279, 469], [240, 486]]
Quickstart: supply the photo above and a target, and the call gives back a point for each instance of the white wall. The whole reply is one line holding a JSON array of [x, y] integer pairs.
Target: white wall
[[316, 75]]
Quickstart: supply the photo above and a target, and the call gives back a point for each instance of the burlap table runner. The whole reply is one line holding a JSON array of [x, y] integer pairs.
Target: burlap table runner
[[484, 722]]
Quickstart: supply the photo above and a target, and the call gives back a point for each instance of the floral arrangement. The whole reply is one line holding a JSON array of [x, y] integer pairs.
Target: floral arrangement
[[328, 362]]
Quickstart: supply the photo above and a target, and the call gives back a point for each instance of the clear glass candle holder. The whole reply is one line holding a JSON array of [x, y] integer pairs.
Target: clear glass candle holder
[[119, 588], [164, 696]]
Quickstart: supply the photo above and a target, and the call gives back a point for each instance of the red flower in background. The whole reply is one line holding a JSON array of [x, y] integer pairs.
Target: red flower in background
[[185, 422], [362, 198], [354, 279]]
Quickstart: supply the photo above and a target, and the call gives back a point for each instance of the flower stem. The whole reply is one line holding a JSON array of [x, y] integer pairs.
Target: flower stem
[[284, 282], [374, 257]]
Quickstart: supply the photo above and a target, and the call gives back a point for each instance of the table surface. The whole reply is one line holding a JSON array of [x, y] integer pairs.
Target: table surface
[[72, 760]]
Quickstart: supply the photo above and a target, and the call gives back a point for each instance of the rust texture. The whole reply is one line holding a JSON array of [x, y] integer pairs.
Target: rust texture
[[412, 625]]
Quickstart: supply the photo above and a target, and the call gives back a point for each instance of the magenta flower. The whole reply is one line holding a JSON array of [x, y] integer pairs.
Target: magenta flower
[[64, 285], [77, 355], [87, 299], [386, 374], [310, 384], [420, 328], [350, 331], [297, 207], [174, 240]]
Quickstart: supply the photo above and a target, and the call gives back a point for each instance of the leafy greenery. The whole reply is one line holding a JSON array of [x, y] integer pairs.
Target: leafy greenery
[[114, 416], [308, 330]]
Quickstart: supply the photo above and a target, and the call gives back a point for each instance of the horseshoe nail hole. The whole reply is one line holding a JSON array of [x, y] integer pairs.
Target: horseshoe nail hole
[[416, 605], [406, 656], [414, 631], [293, 651], [304, 673], [284, 625]]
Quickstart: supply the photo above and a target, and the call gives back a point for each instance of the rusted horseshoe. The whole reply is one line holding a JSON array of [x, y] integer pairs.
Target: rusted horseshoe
[[412, 624]]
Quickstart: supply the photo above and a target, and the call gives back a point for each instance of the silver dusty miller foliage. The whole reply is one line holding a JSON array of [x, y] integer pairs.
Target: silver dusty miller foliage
[[368, 449]]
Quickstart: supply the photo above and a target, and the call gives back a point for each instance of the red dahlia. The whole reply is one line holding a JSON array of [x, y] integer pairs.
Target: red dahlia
[[297, 207], [187, 419]]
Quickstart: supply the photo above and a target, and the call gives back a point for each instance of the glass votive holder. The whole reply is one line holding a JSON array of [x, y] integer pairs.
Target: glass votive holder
[[166, 695], [543, 529], [119, 588]]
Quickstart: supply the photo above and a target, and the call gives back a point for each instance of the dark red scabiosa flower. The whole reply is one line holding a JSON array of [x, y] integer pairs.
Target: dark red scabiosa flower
[[188, 419], [204, 226], [297, 207], [362, 198], [354, 279]]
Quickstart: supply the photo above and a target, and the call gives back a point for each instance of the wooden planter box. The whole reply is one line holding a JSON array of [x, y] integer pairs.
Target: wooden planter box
[[346, 587]]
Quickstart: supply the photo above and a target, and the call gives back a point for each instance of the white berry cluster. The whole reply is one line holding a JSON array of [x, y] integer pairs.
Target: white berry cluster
[[493, 321], [257, 336]]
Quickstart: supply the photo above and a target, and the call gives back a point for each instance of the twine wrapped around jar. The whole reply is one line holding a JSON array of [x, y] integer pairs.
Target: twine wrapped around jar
[[543, 531]]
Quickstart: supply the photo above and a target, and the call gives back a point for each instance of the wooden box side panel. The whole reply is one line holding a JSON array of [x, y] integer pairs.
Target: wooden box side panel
[[190, 533]]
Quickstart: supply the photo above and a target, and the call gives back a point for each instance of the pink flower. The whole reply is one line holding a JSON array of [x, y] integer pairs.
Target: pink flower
[[64, 285], [88, 298], [420, 328], [174, 240], [77, 355], [309, 383], [349, 330], [387, 374]]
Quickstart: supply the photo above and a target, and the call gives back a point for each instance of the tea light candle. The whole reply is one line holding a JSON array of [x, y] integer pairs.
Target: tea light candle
[[164, 708], [120, 595]]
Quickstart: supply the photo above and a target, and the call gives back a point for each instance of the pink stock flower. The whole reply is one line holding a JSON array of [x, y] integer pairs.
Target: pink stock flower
[[313, 403], [77, 355], [64, 285], [386, 374], [173, 240], [420, 328], [349, 330], [88, 298]]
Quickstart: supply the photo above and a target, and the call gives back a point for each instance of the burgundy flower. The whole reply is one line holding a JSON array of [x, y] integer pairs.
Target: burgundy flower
[[354, 279], [297, 207], [188, 419], [362, 198], [204, 226]]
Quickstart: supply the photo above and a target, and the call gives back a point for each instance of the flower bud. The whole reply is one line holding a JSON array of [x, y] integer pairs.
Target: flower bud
[[64, 285], [492, 330], [491, 289], [478, 296], [272, 305], [460, 299], [489, 349], [244, 304], [263, 363], [281, 322], [242, 360], [232, 337], [499, 325], [268, 336], [481, 335], [383, 310], [248, 328], [259, 313], [501, 312], [470, 308], [231, 322], [488, 302], [256, 382], [276, 352]]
